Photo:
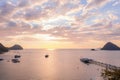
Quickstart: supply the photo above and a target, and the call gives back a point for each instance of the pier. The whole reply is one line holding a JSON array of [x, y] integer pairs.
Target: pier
[[91, 61]]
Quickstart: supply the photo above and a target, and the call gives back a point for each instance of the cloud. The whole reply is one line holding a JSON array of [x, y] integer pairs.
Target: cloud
[[6, 8], [116, 2], [34, 13], [94, 4], [58, 20]]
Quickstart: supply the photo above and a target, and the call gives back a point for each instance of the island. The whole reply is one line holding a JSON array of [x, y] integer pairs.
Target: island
[[16, 47], [3, 48], [110, 46]]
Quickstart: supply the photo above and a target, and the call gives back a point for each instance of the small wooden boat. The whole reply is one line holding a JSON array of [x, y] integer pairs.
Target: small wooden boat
[[17, 56], [46, 56], [93, 50], [15, 60], [1, 59]]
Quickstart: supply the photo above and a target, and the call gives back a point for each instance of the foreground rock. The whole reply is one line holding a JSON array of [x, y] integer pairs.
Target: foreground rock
[[3, 49], [110, 46], [16, 47]]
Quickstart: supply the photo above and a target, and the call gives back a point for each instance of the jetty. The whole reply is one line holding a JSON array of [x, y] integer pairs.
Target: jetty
[[105, 65]]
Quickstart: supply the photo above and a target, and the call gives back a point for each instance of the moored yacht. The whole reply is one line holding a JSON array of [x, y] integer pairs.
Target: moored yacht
[[86, 60]]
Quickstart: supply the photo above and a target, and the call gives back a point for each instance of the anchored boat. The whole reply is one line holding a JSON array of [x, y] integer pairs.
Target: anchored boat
[[1, 59], [15, 60], [86, 60], [17, 56]]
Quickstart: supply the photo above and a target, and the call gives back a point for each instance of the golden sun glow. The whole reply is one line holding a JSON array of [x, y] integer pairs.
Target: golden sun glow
[[51, 49], [45, 37]]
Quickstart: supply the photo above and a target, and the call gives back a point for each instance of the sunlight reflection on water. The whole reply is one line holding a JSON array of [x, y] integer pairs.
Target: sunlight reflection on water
[[60, 65]]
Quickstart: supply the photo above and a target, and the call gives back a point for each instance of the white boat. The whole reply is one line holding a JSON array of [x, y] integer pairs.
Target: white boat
[[86, 60]]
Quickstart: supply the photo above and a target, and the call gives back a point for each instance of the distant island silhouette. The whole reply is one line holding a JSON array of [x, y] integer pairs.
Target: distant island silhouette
[[3, 48], [107, 46], [16, 47], [6, 49], [110, 46]]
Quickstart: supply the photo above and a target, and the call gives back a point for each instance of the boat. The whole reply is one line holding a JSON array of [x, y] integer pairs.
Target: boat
[[46, 56], [15, 60], [92, 49], [17, 56], [1, 59], [86, 60]]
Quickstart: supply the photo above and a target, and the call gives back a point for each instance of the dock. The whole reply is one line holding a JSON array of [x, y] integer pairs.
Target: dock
[[105, 65]]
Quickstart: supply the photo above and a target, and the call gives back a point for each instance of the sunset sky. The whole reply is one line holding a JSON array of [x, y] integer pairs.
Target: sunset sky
[[59, 23]]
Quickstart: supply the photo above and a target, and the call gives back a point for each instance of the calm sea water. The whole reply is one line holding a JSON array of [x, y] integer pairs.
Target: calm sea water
[[60, 65]]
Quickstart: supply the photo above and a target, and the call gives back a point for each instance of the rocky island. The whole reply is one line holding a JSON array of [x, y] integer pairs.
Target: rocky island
[[110, 46], [16, 47], [3, 48]]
